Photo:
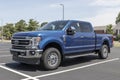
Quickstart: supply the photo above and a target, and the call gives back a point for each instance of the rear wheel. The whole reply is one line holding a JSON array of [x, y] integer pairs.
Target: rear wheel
[[103, 53], [51, 58]]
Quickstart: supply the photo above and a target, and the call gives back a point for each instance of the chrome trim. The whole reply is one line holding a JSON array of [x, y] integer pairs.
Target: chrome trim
[[30, 43], [18, 50], [21, 39], [79, 46], [35, 56], [19, 36], [21, 45], [27, 52]]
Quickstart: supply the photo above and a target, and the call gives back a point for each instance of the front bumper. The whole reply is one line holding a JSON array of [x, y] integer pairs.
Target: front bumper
[[26, 56]]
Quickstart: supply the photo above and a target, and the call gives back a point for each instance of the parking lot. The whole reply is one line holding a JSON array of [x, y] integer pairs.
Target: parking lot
[[87, 67]]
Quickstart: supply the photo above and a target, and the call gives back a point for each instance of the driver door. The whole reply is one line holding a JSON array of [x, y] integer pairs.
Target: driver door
[[74, 41]]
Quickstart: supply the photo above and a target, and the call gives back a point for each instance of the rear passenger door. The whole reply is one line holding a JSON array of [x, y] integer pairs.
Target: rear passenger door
[[88, 36]]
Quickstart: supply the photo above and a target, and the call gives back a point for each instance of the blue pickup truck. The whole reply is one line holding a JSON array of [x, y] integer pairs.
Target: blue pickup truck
[[50, 44]]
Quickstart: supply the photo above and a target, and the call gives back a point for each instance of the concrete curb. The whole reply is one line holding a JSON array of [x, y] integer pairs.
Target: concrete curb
[[5, 40], [116, 44]]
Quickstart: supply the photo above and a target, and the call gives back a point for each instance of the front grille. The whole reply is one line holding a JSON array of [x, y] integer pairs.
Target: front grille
[[20, 42], [19, 47], [18, 37]]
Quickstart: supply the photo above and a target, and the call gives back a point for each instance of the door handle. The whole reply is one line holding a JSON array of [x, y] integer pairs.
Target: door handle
[[81, 36]]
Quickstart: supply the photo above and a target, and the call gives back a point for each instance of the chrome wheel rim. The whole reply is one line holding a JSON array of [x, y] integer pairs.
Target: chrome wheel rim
[[52, 59], [105, 52]]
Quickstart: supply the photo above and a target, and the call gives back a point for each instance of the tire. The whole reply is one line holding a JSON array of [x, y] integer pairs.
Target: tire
[[51, 58], [103, 53], [23, 63]]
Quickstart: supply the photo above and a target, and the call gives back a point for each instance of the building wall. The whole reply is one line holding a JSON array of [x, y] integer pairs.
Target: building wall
[[117, 29], [100, 31]]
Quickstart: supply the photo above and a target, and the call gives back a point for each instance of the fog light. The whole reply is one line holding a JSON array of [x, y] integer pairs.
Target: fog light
[[32, 52]]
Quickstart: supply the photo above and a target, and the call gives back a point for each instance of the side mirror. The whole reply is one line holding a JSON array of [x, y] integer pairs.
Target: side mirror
[[71, 31]]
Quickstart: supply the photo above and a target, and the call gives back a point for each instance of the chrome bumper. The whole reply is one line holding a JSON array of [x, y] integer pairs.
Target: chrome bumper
[[27, 56]]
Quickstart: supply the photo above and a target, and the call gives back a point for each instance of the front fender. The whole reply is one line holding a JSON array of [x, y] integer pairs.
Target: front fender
[[46, 41]]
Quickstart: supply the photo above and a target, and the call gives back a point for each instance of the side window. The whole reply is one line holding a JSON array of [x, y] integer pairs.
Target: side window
[[85, 27], [76, 26]]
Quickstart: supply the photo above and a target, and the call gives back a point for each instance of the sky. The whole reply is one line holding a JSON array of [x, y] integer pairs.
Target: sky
[[98, 12]]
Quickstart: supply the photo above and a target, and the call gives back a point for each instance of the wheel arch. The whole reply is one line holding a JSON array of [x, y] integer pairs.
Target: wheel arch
[[55, 45], [106, 42]]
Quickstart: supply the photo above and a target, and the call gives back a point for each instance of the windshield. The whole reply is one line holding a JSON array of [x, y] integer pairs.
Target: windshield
[[56, 25]]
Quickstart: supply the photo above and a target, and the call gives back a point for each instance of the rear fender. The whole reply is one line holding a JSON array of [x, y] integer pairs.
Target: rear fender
[[106, 41]]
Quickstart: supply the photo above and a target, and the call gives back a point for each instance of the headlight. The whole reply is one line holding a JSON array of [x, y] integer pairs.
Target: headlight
[[36, 40]]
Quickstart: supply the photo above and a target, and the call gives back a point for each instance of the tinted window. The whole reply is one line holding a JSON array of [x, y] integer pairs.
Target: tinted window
[[76, 26], [56, 25], [85, 27]]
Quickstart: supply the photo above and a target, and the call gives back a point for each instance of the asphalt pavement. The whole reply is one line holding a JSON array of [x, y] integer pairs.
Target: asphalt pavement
[[88, 67]]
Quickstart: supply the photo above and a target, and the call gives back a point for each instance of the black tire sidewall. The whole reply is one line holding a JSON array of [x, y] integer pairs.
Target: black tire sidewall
[[45, 55]]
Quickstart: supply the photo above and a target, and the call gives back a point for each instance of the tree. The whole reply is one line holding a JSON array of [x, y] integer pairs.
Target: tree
[[109, 29], [32, 25], [8, 30], [118, 18], [0, 31], [42, 24], [21, 26], [0, 28], [117, 37]]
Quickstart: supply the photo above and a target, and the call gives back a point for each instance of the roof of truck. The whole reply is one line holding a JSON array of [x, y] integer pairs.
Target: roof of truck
[[74, 21]]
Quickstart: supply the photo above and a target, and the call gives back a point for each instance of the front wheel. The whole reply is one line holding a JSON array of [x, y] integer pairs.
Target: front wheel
[[51, 58], [103, 53]]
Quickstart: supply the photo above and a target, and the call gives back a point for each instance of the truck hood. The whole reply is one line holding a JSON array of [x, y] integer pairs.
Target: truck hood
[[37, 33]]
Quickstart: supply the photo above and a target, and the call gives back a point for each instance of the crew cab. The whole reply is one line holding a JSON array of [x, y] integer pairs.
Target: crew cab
[[50, 44]]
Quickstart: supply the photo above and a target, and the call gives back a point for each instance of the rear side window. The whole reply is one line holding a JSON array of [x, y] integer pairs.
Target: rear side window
[[85, 27]]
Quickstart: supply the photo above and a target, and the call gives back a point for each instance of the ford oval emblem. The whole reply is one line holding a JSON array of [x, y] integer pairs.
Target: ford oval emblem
[[16, 42]]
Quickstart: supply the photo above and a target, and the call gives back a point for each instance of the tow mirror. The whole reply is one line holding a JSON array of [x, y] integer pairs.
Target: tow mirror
[[71, 31]]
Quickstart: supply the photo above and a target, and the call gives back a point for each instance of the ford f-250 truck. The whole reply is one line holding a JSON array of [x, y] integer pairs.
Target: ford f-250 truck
[[50, 44]]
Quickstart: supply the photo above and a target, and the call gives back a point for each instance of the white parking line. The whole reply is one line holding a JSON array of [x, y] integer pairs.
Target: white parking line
[[5, 56], [68, 70], [16, 72]]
